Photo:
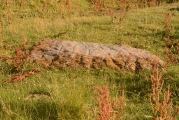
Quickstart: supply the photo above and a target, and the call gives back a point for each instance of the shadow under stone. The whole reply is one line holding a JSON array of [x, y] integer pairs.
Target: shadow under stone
[[174, 9]]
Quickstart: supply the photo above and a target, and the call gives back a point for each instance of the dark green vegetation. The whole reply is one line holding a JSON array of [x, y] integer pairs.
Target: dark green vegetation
[[69, 93]]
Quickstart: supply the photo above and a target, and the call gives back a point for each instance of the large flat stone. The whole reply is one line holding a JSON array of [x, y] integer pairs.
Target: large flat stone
[[92, 55]]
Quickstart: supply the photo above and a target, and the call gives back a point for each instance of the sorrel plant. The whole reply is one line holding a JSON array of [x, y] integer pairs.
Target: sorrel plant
[[106, 106], [161, 102]]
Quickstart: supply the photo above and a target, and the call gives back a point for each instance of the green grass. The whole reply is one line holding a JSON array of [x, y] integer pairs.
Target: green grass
[[70, 92]]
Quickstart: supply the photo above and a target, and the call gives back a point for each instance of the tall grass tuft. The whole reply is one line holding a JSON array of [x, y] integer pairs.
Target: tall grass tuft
[[168, 24], [161, 102], [44, 7], [68, 4], [106, 106], [172, 47], [22, 4]]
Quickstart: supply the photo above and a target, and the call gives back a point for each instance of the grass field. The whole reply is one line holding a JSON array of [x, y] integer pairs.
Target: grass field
[[69, 94]]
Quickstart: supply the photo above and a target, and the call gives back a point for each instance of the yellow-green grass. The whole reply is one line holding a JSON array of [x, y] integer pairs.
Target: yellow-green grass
[[70, 92]]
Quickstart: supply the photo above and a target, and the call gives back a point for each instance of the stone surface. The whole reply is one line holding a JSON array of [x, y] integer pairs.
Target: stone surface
[[92, 56]]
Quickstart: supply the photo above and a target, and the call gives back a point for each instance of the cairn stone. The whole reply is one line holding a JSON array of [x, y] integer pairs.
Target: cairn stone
[[92, 56]]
